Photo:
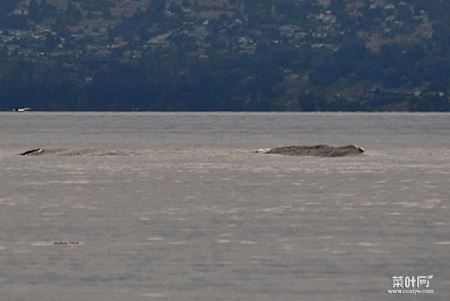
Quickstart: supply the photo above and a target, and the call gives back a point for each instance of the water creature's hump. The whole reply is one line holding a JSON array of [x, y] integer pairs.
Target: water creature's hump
[[321, 150]]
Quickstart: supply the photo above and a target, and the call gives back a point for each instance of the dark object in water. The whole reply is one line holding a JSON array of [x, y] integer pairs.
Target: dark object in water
[[33, 152], [317, 150], [74, 152]]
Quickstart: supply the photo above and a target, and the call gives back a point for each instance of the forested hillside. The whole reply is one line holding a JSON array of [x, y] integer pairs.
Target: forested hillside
[[304, 55]]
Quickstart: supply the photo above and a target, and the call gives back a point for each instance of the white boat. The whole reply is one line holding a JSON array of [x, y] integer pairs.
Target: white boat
[[24, 109]]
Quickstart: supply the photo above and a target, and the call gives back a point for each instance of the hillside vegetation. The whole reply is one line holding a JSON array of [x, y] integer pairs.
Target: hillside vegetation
[[304, 55]]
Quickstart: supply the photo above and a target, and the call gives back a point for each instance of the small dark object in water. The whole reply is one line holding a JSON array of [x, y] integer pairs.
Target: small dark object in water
[[33, 152], [317, 150], [67, 243]]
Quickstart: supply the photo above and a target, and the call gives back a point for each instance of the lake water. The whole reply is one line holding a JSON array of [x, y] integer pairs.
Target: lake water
[[189, 212]]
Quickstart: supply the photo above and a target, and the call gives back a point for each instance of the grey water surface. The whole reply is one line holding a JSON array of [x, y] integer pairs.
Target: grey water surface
[[186, 210]]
